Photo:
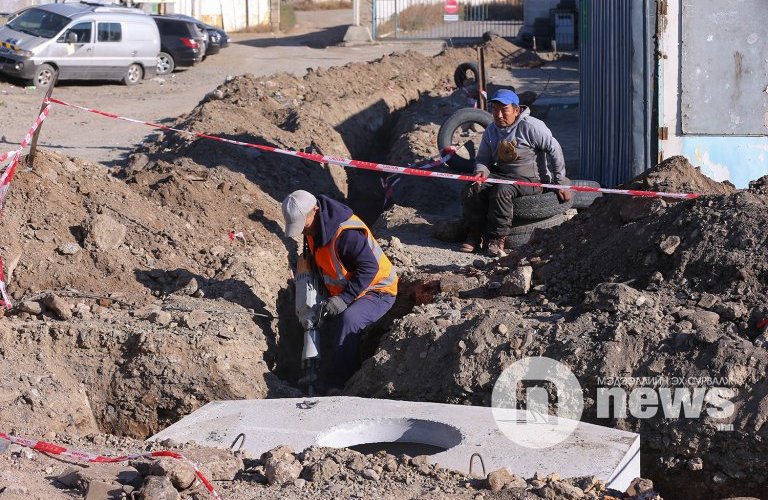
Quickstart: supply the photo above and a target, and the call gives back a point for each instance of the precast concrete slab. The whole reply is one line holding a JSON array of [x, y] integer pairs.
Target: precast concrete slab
[[457, 431]]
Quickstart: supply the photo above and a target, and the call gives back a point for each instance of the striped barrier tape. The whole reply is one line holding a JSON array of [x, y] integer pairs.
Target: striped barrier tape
[[53, 449], [27, 138], [8, 173], [3, 291], [381, 167], [389, 182]]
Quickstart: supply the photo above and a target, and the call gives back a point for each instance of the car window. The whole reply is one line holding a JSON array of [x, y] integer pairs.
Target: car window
[[83, 32], [173, 28], [109, 32], [38, 22]]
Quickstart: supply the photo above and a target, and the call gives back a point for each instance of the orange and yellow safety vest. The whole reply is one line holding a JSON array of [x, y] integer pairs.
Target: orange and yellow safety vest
[[336, 276]]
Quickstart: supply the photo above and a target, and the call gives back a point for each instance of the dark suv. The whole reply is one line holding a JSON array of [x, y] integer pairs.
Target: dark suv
[[181, 44]]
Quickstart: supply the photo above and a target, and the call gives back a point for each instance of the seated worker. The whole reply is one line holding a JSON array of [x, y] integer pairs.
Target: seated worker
[[507, 151], [360, 280]]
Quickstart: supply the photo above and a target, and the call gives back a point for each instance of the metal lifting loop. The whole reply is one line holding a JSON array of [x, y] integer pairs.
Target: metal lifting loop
[[482, 463]]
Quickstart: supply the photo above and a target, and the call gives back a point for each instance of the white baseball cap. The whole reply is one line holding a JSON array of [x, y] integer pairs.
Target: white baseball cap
[[296, 208]]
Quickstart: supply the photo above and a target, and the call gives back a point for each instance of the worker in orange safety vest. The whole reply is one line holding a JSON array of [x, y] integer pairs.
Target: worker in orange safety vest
[[360, 280]]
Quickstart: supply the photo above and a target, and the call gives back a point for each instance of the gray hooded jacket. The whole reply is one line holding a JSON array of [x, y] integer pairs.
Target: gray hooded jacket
[[527, 136]]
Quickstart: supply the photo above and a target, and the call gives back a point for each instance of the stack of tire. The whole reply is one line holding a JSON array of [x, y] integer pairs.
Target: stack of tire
[[530, 212]]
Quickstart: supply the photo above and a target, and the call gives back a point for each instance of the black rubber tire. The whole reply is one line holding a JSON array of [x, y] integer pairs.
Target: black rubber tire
[[464, 160], [539, 206], [165, 64], [44, 75], [488, 36], [134, 74], [583, 200], [521, 233], [460, 75]]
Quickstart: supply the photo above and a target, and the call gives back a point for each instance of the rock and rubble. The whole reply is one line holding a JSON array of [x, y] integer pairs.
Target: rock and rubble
[[611, 301], [280, 473], [137, 304]]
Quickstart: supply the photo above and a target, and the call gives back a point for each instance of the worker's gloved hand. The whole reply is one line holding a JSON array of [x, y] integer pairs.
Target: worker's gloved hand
[[563, 195], [334, 306], [482, 171]]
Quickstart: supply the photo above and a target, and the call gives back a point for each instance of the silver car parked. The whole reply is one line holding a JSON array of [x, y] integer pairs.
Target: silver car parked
[[81, 41]]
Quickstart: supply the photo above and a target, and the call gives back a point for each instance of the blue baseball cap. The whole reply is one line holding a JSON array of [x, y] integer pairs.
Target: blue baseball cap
[[506, 97]]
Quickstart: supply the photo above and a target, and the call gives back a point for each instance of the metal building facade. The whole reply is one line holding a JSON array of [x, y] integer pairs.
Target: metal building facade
[[616, 89]]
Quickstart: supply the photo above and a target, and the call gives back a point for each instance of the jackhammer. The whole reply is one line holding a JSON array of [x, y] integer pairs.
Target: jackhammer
[[309, 311]]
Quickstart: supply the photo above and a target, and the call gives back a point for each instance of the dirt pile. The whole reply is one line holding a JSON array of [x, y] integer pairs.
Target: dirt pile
[[134, 310], [345, 111], [629, 288], [277, 474]]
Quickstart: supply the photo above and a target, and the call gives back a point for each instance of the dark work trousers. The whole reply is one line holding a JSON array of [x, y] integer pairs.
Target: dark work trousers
[[488, 207], [344, 330]]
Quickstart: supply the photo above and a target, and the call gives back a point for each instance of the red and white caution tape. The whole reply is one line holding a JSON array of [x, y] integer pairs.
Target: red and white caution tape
[[8, 173], [380, 167], [389, 182], [3, 292], [53, 449]]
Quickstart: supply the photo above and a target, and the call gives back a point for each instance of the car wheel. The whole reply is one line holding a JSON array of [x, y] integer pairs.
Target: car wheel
[[463, 130], [44, 75], [165, 63], [134, 74]]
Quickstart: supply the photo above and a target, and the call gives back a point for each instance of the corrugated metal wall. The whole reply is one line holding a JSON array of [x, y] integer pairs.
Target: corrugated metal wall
[[616, 90]]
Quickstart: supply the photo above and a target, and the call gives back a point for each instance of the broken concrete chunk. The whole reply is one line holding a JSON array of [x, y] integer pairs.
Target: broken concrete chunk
[[216, 464], [323, 470], [669, 245], [162, 318], [370, 474], [81, 477], [499, 478], [517, 281], [699, 317], [612, 297], [104, 233], [158, 488], [181, 474], [281, 471], [281, 452], [639, 486], [196, 318], [708, 300], [68, 248], [99, 490], [31, 307], [58, 306]]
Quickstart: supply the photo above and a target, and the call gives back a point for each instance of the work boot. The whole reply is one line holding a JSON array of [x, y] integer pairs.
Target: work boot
[[471, 244], [496, 247]]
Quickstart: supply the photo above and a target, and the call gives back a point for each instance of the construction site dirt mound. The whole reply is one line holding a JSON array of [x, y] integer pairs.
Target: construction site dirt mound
[[671, 291], [134, 284], [676, 174], [281, 473], [148, 291], [134, 309]]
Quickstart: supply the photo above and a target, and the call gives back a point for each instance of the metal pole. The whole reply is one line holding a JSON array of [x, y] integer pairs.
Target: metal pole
[[33, 146], [356, 12], [481, 84]]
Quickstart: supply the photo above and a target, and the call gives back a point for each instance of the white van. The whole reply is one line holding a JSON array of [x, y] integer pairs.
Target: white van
[[82, 41]]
